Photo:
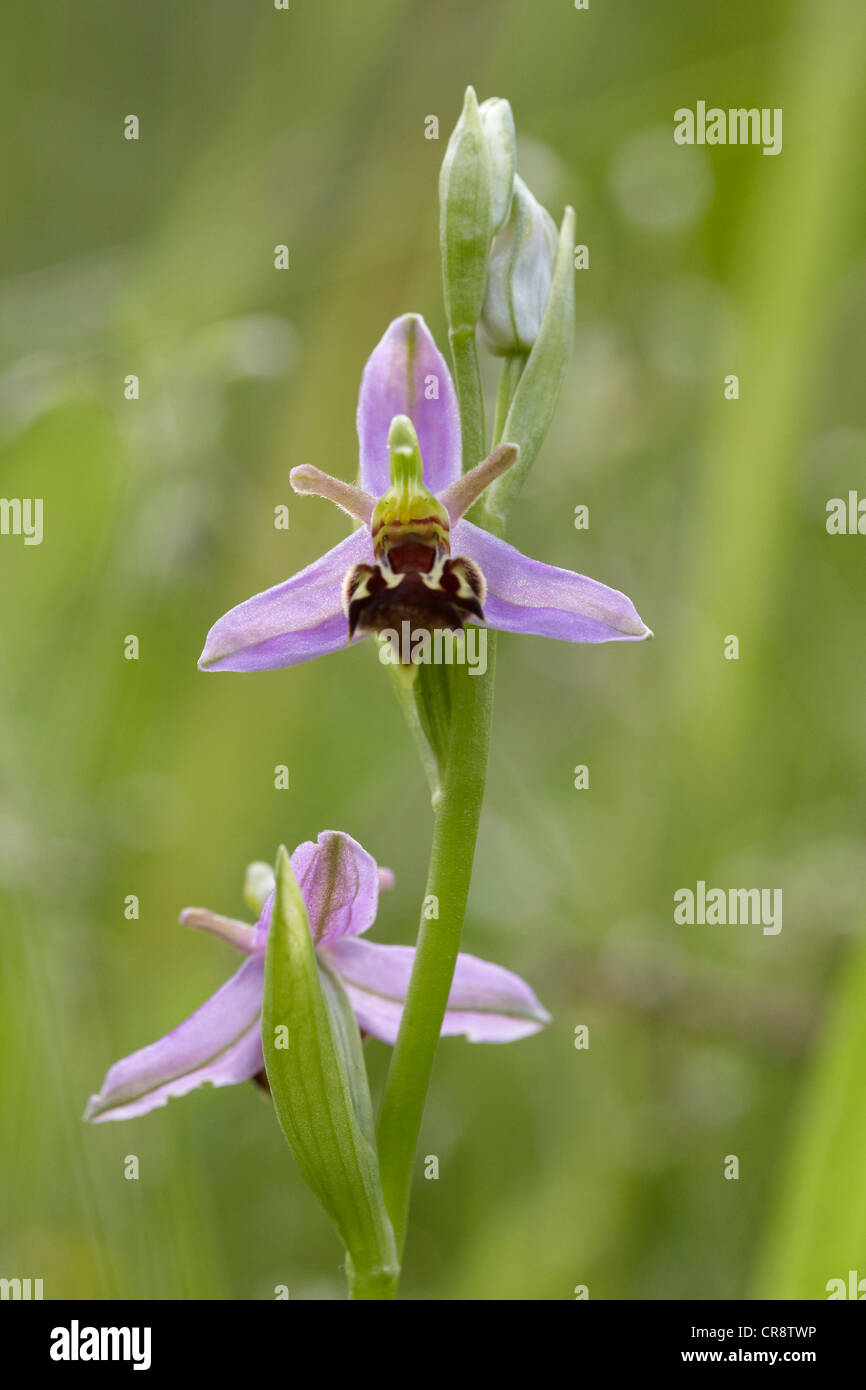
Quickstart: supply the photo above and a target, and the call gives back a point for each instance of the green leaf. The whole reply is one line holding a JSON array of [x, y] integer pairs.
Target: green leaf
[[322, 1103], [818, 1228], [531, 411]]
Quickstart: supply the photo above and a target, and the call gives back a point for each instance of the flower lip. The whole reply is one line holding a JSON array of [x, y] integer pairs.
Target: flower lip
[[443, 594], [411, 556]]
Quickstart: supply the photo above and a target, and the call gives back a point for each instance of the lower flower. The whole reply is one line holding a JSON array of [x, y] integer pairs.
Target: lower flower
[[221, 1042]]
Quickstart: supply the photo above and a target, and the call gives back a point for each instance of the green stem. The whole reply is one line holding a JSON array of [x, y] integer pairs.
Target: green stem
[[467, 378], [456, 815], [512, 371], [483, 513], [454, 834], [367, 1285]]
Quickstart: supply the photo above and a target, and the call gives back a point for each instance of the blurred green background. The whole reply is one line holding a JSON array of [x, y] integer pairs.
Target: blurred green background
[[306, 127]]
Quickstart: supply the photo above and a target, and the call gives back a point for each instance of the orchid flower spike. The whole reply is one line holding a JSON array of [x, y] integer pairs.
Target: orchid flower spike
[[414, 555], [221, 1042]]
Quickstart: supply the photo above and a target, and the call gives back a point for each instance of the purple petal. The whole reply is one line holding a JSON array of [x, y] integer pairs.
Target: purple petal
[[294, 621], [340, 884], [404, 369], [523, 595], [487, 1003], [219, 1043]]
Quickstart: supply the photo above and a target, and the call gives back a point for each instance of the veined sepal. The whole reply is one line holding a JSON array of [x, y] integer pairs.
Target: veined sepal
[[312, 1052]]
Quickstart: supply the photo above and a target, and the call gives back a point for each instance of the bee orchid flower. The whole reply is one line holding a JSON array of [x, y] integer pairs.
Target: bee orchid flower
[[414, 555], [221, 1042]]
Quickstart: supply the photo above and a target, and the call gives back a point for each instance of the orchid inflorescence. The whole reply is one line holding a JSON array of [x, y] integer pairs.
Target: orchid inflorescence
[[311, 988]]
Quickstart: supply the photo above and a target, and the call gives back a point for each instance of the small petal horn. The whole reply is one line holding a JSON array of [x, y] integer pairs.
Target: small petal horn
[[459, 496], [237, 934], [359, 504]]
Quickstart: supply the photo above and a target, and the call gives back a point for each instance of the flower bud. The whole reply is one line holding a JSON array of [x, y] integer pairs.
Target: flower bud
[[519, 275], [497, 123], [534, 400], [465, 218]]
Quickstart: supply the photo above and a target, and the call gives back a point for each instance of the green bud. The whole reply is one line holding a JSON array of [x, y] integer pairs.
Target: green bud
[[497, 122], [519, 276], [465, 218]]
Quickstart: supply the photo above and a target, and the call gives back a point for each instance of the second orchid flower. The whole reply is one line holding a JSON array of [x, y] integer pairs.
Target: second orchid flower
[[221, 1042]]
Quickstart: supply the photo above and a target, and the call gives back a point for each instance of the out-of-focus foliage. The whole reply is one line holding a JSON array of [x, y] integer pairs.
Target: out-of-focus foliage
[[821, 1217], [307, 127]]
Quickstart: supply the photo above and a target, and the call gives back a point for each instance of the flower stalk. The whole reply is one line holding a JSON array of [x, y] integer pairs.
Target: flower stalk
[[467, 380], [455, 830]]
